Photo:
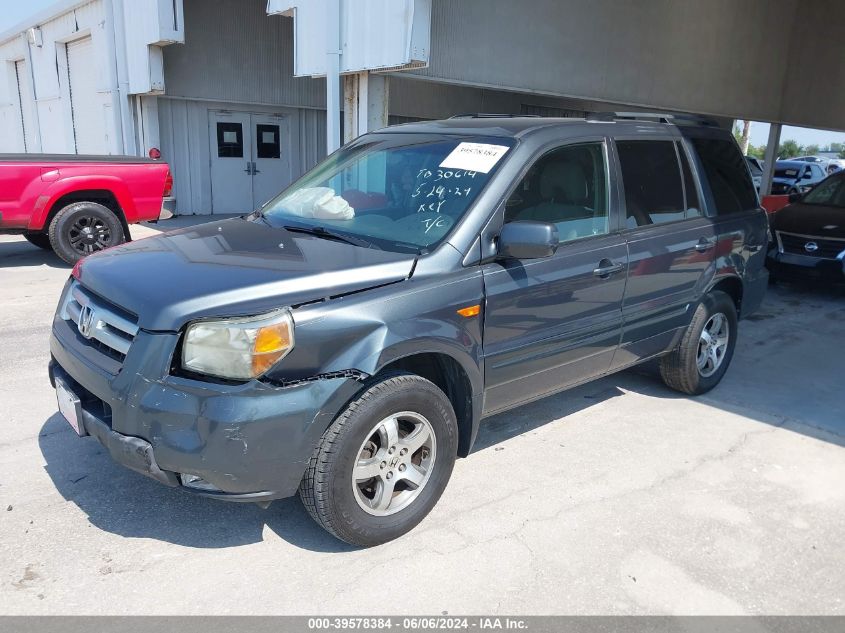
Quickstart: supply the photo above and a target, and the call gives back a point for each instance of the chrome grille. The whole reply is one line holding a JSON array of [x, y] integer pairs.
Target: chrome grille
[[102, 325], [797, 244]]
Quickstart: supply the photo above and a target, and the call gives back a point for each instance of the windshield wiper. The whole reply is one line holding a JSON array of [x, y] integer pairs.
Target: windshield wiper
[[320, 231]]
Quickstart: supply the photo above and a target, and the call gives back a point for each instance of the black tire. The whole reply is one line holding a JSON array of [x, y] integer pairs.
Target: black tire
[[327, 489], [41, 240], [68, 235], [679, 369]]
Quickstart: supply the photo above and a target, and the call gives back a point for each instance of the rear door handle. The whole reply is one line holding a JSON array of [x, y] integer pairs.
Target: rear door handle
[[705, 244], [606, 268], [248, 169]]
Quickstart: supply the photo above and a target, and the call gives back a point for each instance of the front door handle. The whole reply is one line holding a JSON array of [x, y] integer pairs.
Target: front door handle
[[255, 168], [705, 244], [606, 268]]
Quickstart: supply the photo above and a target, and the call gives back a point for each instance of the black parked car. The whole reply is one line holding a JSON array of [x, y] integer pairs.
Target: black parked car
[[809, 234], [796, 176], [346, 340]]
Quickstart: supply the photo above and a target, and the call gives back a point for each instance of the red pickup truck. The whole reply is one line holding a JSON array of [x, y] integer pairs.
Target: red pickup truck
[[78, 205]]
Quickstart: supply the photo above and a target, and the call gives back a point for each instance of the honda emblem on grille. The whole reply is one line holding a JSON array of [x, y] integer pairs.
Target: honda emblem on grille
[[811, 247], [86, 321]]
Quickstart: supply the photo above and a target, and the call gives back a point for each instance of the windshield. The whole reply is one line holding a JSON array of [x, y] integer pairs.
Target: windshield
[[830, 192], [400, 192]]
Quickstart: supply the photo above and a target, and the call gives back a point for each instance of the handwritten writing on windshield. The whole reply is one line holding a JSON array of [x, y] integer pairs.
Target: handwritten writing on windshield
[[438, 186]]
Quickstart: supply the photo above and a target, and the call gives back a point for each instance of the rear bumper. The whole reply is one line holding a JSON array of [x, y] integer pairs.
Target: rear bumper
[[248, 442], [168, 209]]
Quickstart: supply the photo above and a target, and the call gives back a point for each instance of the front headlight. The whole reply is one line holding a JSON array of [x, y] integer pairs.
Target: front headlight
[[239, 349]]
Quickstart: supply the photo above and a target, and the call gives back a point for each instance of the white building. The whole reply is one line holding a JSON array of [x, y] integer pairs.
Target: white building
[[236, 96]]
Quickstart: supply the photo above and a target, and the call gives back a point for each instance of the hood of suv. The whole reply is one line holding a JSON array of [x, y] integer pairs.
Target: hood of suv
[[811, 219], [235, 267]]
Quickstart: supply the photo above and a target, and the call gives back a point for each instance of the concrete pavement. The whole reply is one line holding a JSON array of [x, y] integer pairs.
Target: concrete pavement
[[619, 497]]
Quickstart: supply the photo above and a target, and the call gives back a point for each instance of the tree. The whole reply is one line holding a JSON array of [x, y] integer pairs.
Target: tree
[[842, 154], [757, 151], [789, 149], [744, 137], [811, 150]]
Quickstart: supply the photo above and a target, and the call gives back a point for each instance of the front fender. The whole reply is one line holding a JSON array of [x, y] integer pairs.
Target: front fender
[[370, 330]]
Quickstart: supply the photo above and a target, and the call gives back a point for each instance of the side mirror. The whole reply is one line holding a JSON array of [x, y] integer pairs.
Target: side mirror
[[528, 240], [794, 197]]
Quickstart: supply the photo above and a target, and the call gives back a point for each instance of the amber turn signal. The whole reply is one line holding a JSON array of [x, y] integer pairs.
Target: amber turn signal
[[470, 311], [271, 343]]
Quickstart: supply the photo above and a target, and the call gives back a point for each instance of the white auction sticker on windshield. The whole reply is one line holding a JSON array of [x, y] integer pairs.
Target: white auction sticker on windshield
[[478, 157]]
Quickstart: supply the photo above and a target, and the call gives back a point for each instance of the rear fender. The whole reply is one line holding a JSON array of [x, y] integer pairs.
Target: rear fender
[[43, 209]]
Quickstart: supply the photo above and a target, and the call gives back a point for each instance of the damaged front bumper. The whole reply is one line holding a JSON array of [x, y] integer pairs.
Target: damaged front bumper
[[246, 442]]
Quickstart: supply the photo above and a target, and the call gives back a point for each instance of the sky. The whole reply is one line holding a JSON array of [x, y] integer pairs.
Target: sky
[[801, 135], [14, 11]]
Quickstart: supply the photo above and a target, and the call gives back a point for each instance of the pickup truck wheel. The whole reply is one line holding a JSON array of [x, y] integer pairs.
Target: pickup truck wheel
[[384, 462], [83, 228], [702, 358], [41, 240]]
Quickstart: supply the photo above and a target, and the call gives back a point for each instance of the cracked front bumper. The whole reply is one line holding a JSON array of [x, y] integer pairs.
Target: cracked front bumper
[[251, 442]]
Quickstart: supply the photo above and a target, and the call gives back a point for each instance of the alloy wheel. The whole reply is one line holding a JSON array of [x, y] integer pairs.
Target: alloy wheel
[[89, 234], [713, 344], [394, 463]]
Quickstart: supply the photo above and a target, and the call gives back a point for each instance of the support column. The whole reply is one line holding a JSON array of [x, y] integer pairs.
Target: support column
[[365, 98], [149, 135], [333, 53], [769, 159], [33, 93]]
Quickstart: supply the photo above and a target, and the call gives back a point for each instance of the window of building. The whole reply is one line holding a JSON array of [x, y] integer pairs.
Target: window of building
[[230, 140], [267, 141], [566, 187], [652, 180], [727, 175]]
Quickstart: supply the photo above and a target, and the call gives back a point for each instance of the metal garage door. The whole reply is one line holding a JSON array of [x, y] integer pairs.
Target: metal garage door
[[26, 105], [88, 120]]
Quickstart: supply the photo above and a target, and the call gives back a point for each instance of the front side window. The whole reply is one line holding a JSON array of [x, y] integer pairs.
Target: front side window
[[401, 192], [566, 187], [830, 193], [727, 175], [652, 180]]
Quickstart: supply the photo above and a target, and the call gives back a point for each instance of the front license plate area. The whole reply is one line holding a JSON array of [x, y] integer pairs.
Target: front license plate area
[[70, 407]]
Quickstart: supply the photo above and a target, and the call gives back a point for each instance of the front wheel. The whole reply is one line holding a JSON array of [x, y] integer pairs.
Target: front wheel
[[382, 465], [83, 228], [705, 351]]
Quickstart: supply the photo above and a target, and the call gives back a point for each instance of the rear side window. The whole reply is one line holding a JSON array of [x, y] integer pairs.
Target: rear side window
[[651, 176], [727, 175]]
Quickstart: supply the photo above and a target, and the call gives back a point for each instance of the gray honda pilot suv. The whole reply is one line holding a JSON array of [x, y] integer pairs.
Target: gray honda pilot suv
[[346, 340]]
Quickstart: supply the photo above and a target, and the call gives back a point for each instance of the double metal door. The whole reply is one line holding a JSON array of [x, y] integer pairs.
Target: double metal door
[[250, 159]]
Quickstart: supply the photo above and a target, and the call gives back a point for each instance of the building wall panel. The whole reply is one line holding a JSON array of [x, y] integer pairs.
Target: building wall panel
[[185, 144], [234, 51], [718, 57]]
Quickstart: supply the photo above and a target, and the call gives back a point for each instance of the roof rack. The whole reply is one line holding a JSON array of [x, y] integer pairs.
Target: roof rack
[[492, 115], [660, 117]]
